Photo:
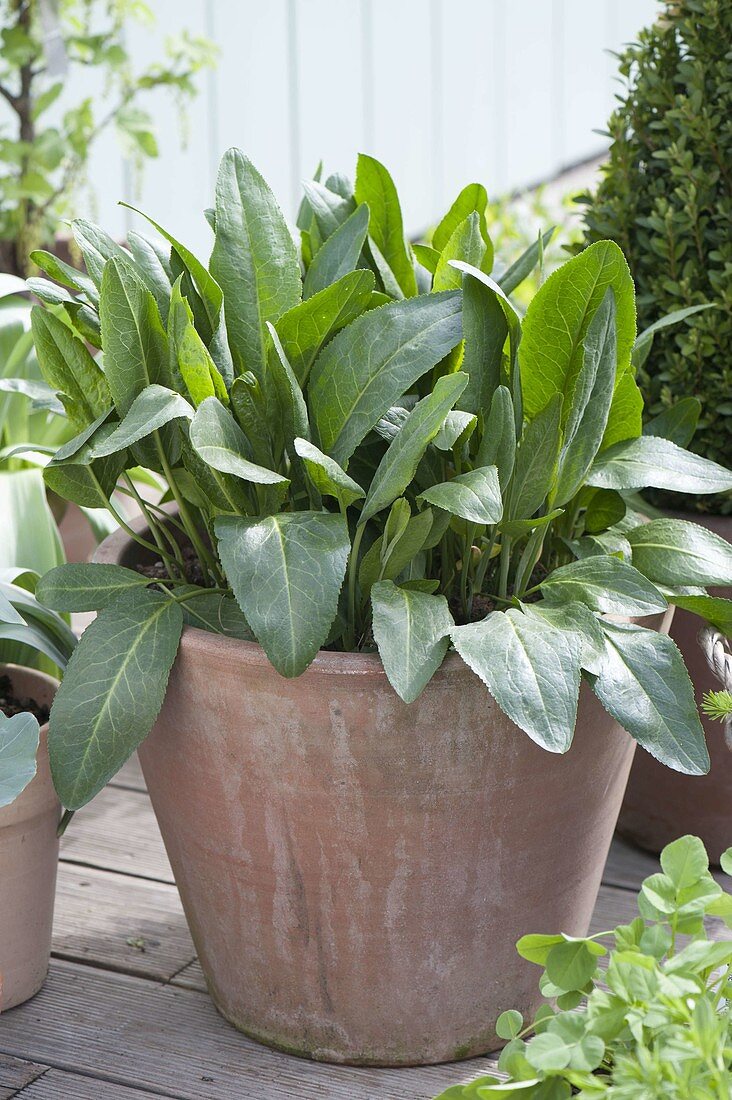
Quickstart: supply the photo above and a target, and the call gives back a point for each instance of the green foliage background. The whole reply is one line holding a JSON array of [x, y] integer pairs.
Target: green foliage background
[[665, 198]]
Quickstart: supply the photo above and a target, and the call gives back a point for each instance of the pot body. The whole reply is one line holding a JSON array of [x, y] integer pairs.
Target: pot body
[[355, 871], [661, 805], [28, 860]]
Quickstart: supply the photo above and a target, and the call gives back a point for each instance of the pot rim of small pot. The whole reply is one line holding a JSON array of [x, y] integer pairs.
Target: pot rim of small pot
[[48, 684]]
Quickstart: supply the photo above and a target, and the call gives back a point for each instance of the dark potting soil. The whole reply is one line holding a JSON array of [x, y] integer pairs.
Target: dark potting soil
[[156, 571], [11, 704]]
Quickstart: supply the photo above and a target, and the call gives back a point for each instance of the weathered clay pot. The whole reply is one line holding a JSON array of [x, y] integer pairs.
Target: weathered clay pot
[[355, 871], [28, 859], [661, 805]]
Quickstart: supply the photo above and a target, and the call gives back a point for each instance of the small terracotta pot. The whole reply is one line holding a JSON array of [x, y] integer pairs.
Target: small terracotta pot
[[661, 805], [28, 860], [355, 871]]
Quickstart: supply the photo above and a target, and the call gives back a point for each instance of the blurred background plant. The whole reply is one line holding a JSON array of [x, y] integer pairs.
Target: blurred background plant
[[44, 144], [665, 196]]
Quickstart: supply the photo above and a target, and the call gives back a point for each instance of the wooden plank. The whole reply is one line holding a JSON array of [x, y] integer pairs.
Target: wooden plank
[[120, 923], [627, 866], [130, 776], [172, 1041], [117, 831], [58, 1085], [15, 1074]]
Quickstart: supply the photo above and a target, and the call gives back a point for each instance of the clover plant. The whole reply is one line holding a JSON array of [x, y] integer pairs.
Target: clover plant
[[366, 447], [657, 1020]]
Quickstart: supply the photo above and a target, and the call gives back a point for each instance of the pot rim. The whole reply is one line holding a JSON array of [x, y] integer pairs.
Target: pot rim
[[48, 684]]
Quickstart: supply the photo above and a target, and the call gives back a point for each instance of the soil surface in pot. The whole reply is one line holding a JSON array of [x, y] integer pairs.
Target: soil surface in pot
[[11, 704]]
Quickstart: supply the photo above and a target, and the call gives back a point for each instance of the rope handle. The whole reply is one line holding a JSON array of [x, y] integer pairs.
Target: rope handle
[[718, 652]]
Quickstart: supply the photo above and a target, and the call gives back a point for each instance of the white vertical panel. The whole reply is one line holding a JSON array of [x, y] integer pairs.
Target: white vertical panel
[[176, 187], [587, 85], [529, 90], [330, 98], [403, 103]]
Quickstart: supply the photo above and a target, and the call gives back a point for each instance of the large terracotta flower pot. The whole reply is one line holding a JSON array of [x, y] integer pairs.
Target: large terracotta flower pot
[[661, 805], [355, 871], [28, 859]]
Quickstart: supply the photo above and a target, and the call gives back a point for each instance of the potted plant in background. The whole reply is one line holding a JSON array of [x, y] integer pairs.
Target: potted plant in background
[[29, 807], [45, 159], [665, 198], [363, 476]]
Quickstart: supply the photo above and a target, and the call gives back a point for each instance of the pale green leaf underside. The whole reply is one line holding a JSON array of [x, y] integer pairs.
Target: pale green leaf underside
[[411, 630], [18, 747]]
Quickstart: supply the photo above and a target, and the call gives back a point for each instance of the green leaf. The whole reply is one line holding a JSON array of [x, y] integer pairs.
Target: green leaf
[[398, 466], [19, 738], [350, 390], [474, 496], [573, 618], [199, 373], [714, 609], [485, 329], [340, 253], [293, 413], [329, 209], [685, 861], [677, 552], [466, 243], [375, 187], [644, 685], [151, 409], [86, 586], [306, 329], [411, 630], [535, 947], [498, 443], [456, 430], [606, 584], [254, 260], [135, 344], [65, 274], [327, 476], [606, 508], [644, 342], [219, 441], [97, 248], [547, 1052], [650, 461], [677, 423], [521, 268], [67, 366], [725, 861], [573, 963], [426, 256], [152, 271], [82, 479], [509, 1024], [286, 572], [217, 612], [535, 469], [558, 318], [473, 197], [625, 419], [391, 553], [112, 692], [530, 668]]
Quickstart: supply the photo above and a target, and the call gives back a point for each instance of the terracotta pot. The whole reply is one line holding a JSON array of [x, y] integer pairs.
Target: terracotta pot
[[661, 805], [28, 859], [355, 871]]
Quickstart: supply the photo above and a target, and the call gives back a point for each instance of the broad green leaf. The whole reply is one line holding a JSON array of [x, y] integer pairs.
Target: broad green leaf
[[249, 404], [254, 260], [340, 253], [329, 209], [67, 366], [97, 248], [605, 584], [726, 861], [574, 618], [306, 329], [498, 443], [427, 256], [473, 197], [485, 329], [465, 243], [82, 479], [217, 612], [714, 609], [389, 556], [625, 419], [219, 441], [558, 317], [19, 738], [112, 692], [572, 963], [685, 861], [474, 496], [644, 685], [590, 402], [50, 293], [606, 508], [530, 668], [29, 533], [286, 572], [65, 274], [677, 423], [198, 371], [411, 630], [293, 413], [150, 410], [329, 478], [535, 947], [375, 187], [509, 1024], [40, 394], [644, 342], [135, 344], [677, 552], [398, 466], [351, 390], [509, 310], [456, 430], [536, 461], [86, 586], [151, 270], [521, 268], [650, 461]]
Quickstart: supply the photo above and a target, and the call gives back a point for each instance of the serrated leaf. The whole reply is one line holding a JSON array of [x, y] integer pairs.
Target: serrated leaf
[[151, 409], [534, 471], [465, 243], [86, 586], [151, 270], [677, 552], [473, 197], [112, 691], [498, 443], [65, 274], [391, 553], [606, 508], [531, 670], [713, 609], [67, 366], [339, 254], [577, 619], [650, 461], [644, 685], [293, 413], [456, 430], [375, 187], [327, 476], [286, 572], [217, 612], [411, 630], [135, 343], [605, 584], [367, 367], [219, 441], [474, 496], [677, 423], [19, 738], [625, 419], [485, 328]]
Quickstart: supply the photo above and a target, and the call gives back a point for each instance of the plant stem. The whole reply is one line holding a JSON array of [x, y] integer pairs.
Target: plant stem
[[187, 520], [465, 571], [505, 563], [119, 519], [485, 560], [157, 530]]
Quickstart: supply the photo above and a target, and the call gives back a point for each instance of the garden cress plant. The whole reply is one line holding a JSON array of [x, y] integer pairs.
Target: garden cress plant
[[367, 445]]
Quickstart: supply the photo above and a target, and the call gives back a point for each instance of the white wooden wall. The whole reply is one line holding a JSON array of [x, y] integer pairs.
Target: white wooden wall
[[443, 91]]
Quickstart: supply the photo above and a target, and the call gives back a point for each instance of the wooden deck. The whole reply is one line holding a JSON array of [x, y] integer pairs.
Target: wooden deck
[[124, 1014]]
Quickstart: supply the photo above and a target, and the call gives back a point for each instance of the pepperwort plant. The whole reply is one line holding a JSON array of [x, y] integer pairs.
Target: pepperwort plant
[[366, 446]]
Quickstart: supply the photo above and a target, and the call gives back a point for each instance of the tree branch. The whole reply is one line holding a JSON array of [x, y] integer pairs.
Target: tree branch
[[7, 94]]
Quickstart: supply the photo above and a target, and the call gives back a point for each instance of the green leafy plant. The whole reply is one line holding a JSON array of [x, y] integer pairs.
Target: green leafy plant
[[656, 1022], [27, 625], [365, 452], [43, 162], [665, 197]]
